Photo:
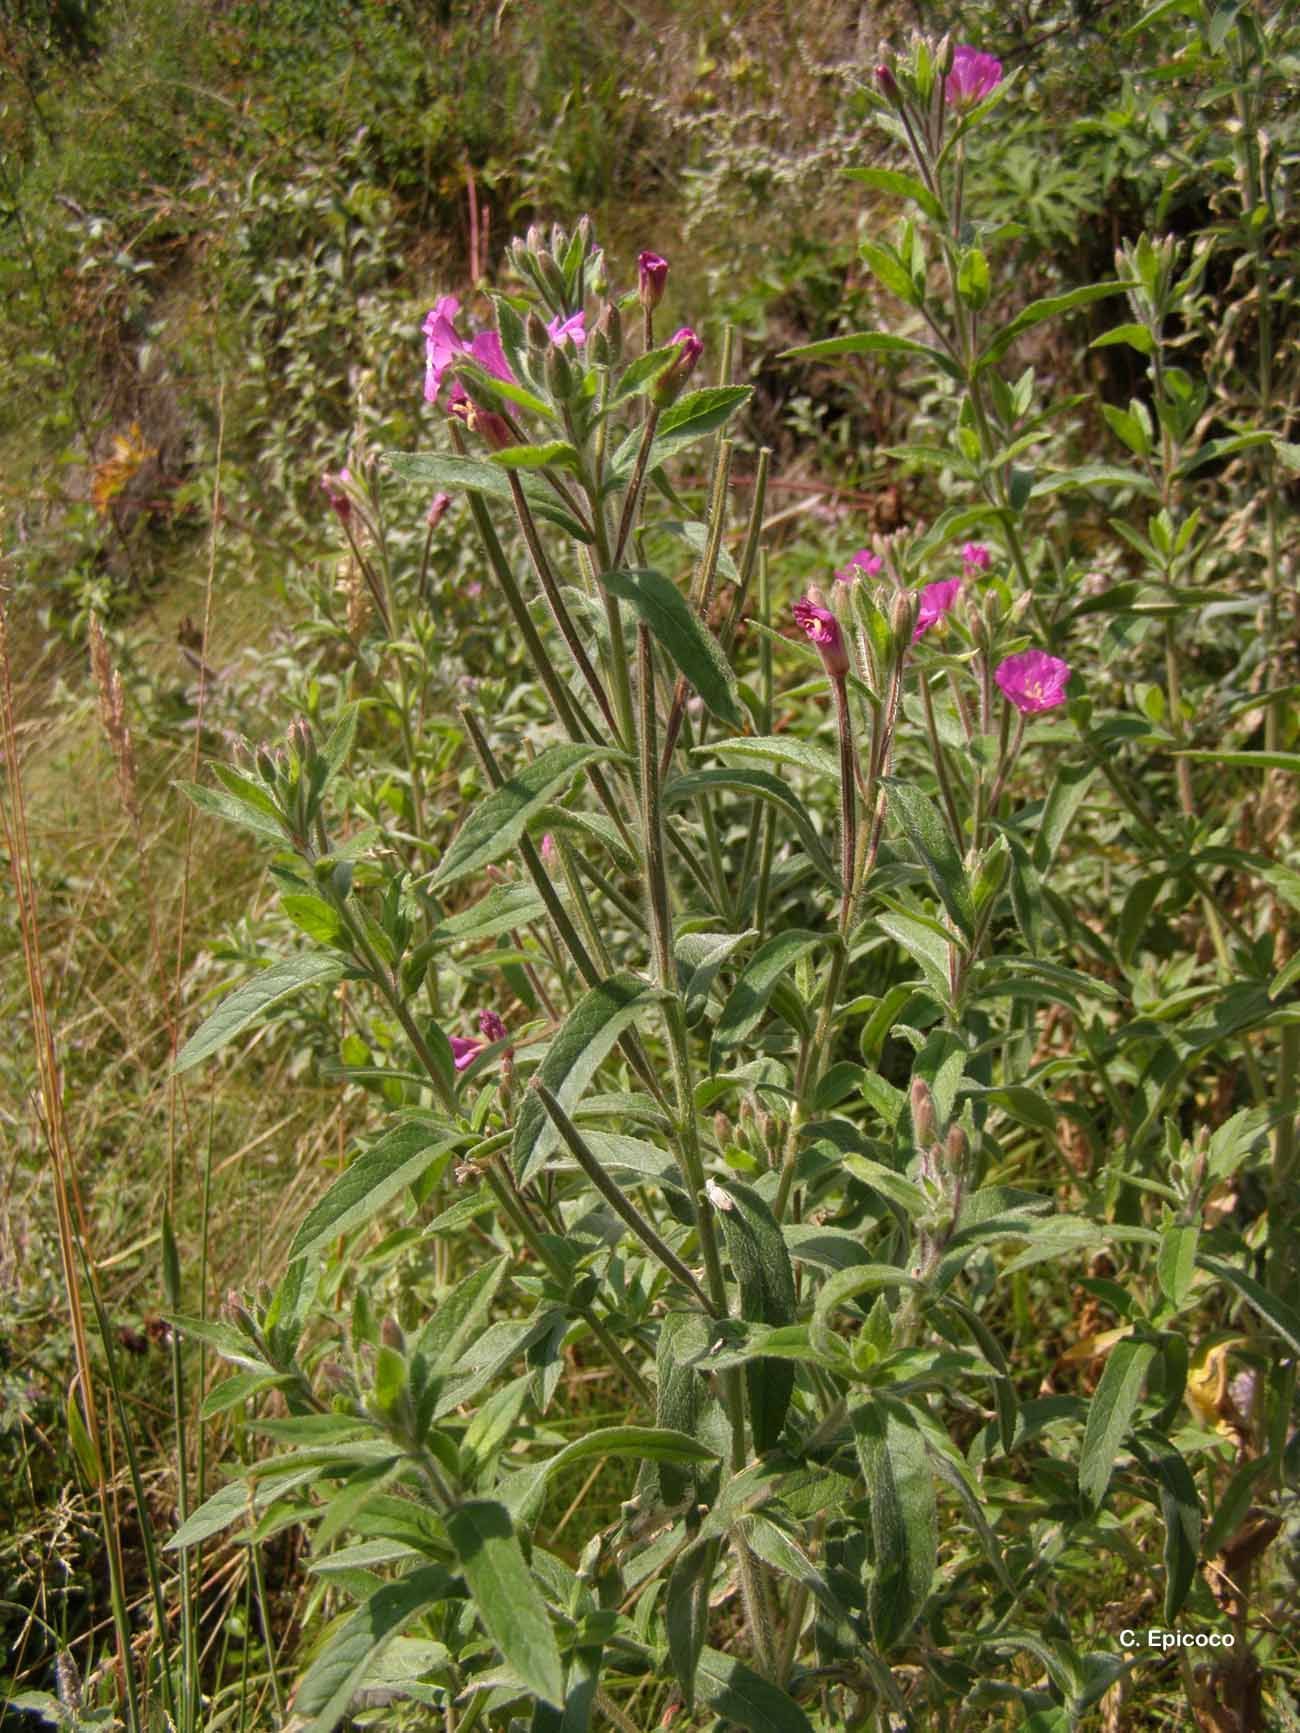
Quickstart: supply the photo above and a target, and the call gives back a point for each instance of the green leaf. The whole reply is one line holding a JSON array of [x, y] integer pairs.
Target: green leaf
[[1176, 1261], [332, 1680], [1180, 1506], [887, 180], [522, 1492], [508, 1600], [236, 810], [1091, 475], [504, 907], [315, 917], [399, 1158], [874, 343], [457, 1321], [642, 373], [1249, 760], [1113, 1405], [749, 997], [495, 826], [929, 836], [923, 944], [700, 957], [685, 639], [904, 1520], [1136, 336], [1051, 307], [1275, 1313], [691, 417], [766, 787], [890, 271], [760, 1262], [733, 1690], [238, 1498], [250, 1003], [555, 452], [572, 1060], [780, 749], [433, 471]]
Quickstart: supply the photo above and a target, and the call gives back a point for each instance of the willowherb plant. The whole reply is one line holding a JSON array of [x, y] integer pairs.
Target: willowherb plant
[[740, 1120]]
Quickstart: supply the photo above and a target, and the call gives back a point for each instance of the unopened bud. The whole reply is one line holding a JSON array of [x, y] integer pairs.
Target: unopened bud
[[265, 766], [390, 1334], [923, 1120], [438, 509], [551, 278], [954, 1149], [652, 275], [559, 375], [539, 340], [722, 1128], [668, 387], [887, 85], [902, 619], [301, 738]]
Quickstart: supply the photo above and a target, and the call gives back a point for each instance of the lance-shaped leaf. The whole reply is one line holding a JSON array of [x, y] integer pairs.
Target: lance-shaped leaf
[[509, 1602], [874, 343], [766, 787], [1110, 1412], [1180, 1506], [904, 1523], [1050, 307], [1276, 1313], [760, 1261], [929, 836], [748, 999], [329, 1684], [572, 1059], [733, 1690], [781, 749], [522, 1492], [399, 1158], [476, 475], [690, 418], [250, 1003], [686, 640], [494, 827]]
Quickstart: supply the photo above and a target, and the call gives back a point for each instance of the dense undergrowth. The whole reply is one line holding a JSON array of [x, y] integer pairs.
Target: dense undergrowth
[[904, 1249]]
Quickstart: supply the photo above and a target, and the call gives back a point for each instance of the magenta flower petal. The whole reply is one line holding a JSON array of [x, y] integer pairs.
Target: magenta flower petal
[[863, 564], [823, 629], [936, 599], [487, 351], [463, 1050], [972, 77], [570, 330], [652, 274], [975, 557], [490, 1025], [1033, 681]]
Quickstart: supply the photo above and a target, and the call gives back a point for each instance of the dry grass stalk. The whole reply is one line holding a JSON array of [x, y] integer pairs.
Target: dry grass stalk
[[112, 716]]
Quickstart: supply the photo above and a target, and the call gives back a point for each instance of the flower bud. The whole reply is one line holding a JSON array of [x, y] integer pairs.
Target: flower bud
[[923, 1119], [667, 388], [551, 278], [265, 766], [652, 275], [559, 374], [823, 630], [610, 326], [887, 85], [390, 1334], [538, 337], [438, 509], [902, 619], [954, 1149]]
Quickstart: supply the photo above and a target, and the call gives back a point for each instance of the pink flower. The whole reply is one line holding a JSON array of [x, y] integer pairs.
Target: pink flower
[[439, 506], [1033, 680], [443, 347], [863, 564], [652, 274], [975, 557], [570, 330], [490, 1026], [973, 75], [464, 1051], [548, 848], [823, 629], [936, 599]]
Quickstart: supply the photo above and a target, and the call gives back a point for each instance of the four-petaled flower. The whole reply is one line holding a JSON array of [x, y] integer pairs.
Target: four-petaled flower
[[973, 75], [936, 599], [975, 557], [652, 274], [863, 564], [1033, 680], [570, 330], [823, 630]]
